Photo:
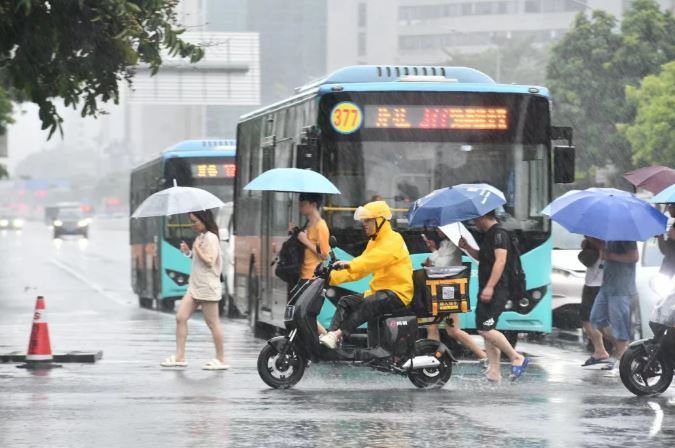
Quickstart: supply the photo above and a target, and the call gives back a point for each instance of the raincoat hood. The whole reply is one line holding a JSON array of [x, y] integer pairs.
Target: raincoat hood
[[376, 209]]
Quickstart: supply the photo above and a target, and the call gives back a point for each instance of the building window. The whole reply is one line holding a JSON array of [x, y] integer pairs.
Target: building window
[[533, 6], [362, 44], [362, 15]]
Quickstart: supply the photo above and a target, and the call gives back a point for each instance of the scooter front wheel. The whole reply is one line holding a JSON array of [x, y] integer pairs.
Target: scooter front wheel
[[641, 379], [431, 377], [280, 372]]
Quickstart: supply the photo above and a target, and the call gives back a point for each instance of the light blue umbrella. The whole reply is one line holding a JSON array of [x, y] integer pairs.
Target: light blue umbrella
[[293, 180], [608, 215], [667, 196], [454, 204]]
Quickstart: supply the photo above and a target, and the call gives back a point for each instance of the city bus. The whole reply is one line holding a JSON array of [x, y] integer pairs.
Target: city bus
[[396, 133], [159, 271]]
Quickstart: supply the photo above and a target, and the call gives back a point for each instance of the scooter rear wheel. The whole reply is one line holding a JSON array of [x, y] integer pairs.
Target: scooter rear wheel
[[431, 378], [640, 381], [280, 372]]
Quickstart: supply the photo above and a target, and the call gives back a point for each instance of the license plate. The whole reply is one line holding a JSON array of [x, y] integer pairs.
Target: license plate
[[290, 311]]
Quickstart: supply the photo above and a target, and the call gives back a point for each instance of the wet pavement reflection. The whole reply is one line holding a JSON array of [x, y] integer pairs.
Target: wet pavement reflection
[[127, 400]]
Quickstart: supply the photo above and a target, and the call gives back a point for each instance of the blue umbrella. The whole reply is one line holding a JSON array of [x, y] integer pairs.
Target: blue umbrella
[[293, 180], [609, 216], [667, 196], [566, 198], [455, 204]]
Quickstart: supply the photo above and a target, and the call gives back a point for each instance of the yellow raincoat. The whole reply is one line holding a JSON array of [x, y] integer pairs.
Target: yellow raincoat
[[388, 259]]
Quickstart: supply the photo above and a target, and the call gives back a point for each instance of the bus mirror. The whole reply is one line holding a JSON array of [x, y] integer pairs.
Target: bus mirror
[[332, 241], [563, 164], [307, 156]]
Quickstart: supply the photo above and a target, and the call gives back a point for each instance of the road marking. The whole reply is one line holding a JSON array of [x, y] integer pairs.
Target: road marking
[[88, 282]]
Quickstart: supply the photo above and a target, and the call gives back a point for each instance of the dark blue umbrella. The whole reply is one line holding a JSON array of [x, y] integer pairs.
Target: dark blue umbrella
[[455, 204], [608, 216]]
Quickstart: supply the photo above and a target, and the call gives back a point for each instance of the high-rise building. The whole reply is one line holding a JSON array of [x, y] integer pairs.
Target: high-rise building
[[424, 31]]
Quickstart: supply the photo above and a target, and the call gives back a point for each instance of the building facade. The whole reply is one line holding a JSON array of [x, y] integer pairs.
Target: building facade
[[425, 31]]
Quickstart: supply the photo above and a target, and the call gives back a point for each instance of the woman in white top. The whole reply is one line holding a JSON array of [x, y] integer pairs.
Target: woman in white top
[[443, 254], [204, 290]]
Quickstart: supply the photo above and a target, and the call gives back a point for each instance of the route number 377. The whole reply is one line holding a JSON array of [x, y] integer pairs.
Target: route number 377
[[346, 117]]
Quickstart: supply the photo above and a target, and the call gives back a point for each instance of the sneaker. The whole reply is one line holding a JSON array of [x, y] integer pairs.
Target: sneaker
[[329, 340]]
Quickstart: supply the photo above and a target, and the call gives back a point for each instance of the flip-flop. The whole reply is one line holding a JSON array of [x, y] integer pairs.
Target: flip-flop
[[214, 364], [171, 362], [517, 371], [591, 361]]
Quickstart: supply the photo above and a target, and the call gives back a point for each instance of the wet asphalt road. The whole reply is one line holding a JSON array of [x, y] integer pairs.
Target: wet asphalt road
[[127, 400]]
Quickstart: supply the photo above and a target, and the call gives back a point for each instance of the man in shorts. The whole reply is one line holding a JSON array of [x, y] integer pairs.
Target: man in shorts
[[493, 293], [612, 307]]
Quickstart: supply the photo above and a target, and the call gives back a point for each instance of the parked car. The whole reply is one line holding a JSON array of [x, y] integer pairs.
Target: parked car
[[71, 222]]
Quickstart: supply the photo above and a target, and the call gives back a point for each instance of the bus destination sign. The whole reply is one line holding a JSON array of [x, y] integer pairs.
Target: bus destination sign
[[213, 170], [436, 117]]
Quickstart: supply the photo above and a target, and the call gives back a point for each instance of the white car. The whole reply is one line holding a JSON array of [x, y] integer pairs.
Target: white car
[[224, 221], [567, 278], [568, 274]]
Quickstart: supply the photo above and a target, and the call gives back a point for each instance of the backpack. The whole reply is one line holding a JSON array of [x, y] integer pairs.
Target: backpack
[[514, 269], [290, 259]]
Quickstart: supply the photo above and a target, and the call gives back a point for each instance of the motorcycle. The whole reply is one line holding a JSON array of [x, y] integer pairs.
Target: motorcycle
[[646, 367], [391, 343]]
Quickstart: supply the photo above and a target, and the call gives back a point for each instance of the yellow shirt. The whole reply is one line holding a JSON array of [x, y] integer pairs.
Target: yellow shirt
[[388, 259], [317, 234]]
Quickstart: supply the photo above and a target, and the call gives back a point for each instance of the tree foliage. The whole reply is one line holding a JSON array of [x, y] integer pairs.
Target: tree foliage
[[590, 68], [80, 50], [652, 134], [520, 61]]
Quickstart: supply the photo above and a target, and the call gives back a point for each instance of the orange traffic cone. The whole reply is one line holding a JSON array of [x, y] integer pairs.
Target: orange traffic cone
[[39, 348]]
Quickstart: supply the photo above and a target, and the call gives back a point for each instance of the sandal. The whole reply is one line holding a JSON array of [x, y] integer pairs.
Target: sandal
[[517, 371], [171, 362], [591, 361], [214, 364]]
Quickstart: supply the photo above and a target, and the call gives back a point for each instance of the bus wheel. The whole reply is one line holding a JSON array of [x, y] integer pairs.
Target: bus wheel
[[144, 302], [167, 304]]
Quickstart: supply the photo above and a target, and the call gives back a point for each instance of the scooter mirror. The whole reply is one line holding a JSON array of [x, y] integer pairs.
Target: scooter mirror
[[332, 241]]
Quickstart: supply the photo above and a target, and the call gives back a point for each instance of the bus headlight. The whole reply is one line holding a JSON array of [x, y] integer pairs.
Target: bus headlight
[[57, 223], [17, 223], [4, 222], [178, 277], [83, 223]]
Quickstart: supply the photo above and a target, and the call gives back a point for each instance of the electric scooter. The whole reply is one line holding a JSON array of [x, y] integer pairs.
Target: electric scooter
[[646, 367], [391, 343]]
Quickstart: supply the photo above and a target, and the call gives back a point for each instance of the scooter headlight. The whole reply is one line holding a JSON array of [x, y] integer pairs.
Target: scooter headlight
[[662, 285]]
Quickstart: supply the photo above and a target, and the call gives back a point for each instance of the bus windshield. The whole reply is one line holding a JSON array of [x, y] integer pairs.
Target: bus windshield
[[385, 161], [402, 172]]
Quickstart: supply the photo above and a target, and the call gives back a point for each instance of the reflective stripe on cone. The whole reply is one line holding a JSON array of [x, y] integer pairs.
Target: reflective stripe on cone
[[39, 347]]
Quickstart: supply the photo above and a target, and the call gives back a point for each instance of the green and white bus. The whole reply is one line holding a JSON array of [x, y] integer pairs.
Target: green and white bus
[[396, 133], [159, 271]]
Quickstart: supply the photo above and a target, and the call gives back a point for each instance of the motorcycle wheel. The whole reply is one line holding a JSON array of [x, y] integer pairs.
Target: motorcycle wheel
[[654, 380], [431, 378], [280, 373]]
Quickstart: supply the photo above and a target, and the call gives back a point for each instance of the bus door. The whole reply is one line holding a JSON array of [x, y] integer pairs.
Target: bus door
[[268, 253], [275, 218]]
